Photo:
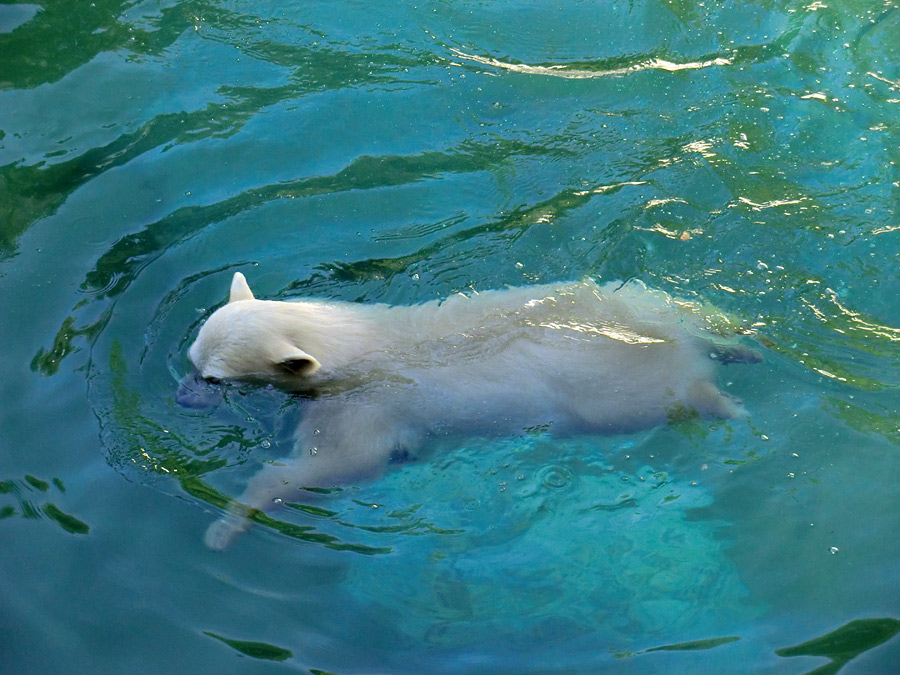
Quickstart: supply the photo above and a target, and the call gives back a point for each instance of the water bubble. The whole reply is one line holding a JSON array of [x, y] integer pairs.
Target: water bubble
[[278, 500], [265, 443], [313, 451], [832, 549]]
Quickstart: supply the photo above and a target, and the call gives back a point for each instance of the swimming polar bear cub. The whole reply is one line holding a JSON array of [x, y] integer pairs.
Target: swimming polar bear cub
[[569, 357]]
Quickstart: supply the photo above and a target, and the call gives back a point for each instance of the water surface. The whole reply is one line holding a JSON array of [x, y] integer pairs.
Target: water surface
[[742, 155]]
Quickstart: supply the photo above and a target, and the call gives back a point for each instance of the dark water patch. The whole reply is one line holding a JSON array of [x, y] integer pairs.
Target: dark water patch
[[691, 646], [322, 67], [694, 645], [132, 253], [256, 650], [67, 522], [37, 483], [628, 503], [422, 230], [410, 523], [60, 38], [311, 510], [845, 643], [872, 420], [30, 494], [47, 362], [29, 193], [505, 229]]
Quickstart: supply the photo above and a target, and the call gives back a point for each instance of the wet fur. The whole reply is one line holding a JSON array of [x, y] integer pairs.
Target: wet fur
[[576, 357]]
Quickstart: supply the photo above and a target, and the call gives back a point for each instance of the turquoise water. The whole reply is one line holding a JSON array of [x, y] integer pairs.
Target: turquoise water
[[739, 154]]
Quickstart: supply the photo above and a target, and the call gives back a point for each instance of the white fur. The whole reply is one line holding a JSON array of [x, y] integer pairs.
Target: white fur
[[578, 357]]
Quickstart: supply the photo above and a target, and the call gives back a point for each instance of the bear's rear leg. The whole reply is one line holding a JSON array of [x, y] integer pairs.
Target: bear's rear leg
[[710, 401]]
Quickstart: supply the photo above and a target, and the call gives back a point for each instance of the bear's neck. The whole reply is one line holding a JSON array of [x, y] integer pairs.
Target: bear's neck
[[347, 330], [321, 327]]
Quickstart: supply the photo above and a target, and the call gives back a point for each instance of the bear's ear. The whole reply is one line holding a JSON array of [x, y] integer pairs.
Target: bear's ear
[[240, 289], [297, 362]]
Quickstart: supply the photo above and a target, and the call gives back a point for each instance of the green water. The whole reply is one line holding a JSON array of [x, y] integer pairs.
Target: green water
[[739, 154]]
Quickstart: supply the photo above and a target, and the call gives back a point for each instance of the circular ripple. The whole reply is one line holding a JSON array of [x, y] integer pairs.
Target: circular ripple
[[556, 476]]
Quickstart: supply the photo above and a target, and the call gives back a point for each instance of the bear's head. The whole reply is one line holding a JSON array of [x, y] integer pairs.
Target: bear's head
[[250, 340]]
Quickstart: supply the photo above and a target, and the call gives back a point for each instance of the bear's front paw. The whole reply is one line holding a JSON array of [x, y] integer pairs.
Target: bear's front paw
[[224, 531]]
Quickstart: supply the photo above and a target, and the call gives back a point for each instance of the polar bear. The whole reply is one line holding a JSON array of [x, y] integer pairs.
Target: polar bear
[[575, 357]]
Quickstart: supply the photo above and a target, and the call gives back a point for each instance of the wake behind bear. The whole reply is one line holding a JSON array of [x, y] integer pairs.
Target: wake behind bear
[[569, 357]]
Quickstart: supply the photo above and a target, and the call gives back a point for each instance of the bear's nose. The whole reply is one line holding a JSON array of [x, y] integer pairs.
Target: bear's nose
[[196, 392]]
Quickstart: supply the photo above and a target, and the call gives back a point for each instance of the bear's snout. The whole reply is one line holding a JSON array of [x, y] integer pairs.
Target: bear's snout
[[195, 392]]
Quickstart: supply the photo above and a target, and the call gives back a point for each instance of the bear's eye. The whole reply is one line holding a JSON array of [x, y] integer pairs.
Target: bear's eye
[[296, 366]]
